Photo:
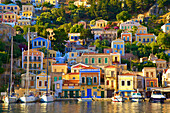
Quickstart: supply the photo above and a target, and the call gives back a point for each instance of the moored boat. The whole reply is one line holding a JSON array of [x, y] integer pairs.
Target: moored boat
[[157, 96], [10, 99], [85, 99], [136, 97], [117, 97], [28, 98], [46, 98]]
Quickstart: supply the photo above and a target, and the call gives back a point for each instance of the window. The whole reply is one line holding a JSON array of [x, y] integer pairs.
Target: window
[[151, 84], [39, 43], [35, 65], [144, 31], [151, 39], [122, 27], [147, 74], [30, 58], [8, 7], [83, 79], [72, 37], [123, 83], [92, 61], [147, 39], [39, 65], [144, 40], [124, 38], [99, 60], [73, 77], [35, 43], [60, 78], [139, 39], [55, 70], [151, 74], [121, 52], [50, 55], [0, 16], [30, 66], [125, 27], [127, 38], [95, 80], [39, 83], [107, 51], [72, 54], [25, 65], [53, 55], [39, 58], [55, 79], [147, 83], [167, 28], [121, 45], [58, 86], [49, 63], [45, 83], [115, 59], [114, 45], [118, 46], [128, 83], [105, 60], [86, 60], [35, 58], [107, 82], [15, 7], [43, 43], [128, 27], [140, 31], [155, 84]]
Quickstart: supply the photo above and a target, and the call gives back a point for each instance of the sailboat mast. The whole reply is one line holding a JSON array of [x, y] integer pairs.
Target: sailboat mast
[[47, 68], [27, 73], [10, 79]]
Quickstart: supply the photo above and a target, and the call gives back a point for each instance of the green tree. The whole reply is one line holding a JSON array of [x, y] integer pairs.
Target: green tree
[[60, 20], [45, 17], [92, 22], [162, 40], [161, 3], [124, 15]]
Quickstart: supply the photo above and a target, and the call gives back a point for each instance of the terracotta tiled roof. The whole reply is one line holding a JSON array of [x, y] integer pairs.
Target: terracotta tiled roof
[[110, 67], [96, 53], [60, 64], [145, 34], [90, 68], [70, 81], [79, 66], [50, 58], [127, 74], [160, 60], [73, 73], [80, 48]]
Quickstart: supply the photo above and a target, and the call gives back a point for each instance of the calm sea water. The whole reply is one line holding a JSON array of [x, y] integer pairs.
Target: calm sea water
[[86, 107]]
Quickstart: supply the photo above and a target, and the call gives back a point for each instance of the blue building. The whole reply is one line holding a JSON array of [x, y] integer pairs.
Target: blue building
[[40, 42]]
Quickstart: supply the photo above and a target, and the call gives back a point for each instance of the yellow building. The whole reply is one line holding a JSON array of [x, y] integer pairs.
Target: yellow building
[[9, 17], [52, 53], [160, 64], [28, 8], [25, 1], [71, 76], [72, 58], [75, 37], [166, 28], [60, 68], [145, 38], [10, 8], [116, 58], [35, 61], [27, 14], [101, 23], [118, 46], [51, 61], [111, 75], [141, 29], [149, 72], [41, 82], [24, 22], [129, 82], [51, 34]]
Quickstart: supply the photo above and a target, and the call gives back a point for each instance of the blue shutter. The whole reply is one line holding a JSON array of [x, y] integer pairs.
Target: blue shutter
[[114, 45], [121, 45], [118, 46], [120, 51]]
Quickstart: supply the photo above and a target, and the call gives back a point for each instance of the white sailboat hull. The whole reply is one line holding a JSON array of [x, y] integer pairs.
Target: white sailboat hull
[[117, 99], [28, 99], [10, 99], [46, 98]]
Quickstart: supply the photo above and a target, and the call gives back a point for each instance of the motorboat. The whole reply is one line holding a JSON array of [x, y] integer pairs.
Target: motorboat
[[136, 97], [46, 98], [117, 97], [157, 96]]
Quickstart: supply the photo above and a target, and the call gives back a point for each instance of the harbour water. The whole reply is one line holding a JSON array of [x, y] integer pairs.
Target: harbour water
[[85, 107]]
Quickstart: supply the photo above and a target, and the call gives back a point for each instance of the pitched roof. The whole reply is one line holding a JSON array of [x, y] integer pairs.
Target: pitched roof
[[160, 60], [60, 64], [110, 67], [126, 74], [146, 34], [167, 24], [90, 68], [73, 73]]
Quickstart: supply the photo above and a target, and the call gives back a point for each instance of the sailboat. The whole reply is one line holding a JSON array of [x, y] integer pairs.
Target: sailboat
[[10, 98], [47, 97], [28, 98]]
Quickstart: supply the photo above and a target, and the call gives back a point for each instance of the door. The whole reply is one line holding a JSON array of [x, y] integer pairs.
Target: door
[[65, 93], [88, 93], [115, 59], [151, 84], [109, 93], [102, 94], [71, 94], [77, 94]]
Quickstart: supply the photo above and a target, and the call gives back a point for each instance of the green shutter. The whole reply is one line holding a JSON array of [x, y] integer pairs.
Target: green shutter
[[86, 60], [55, 79], [106, 60], [60, 78], [92, 60]]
